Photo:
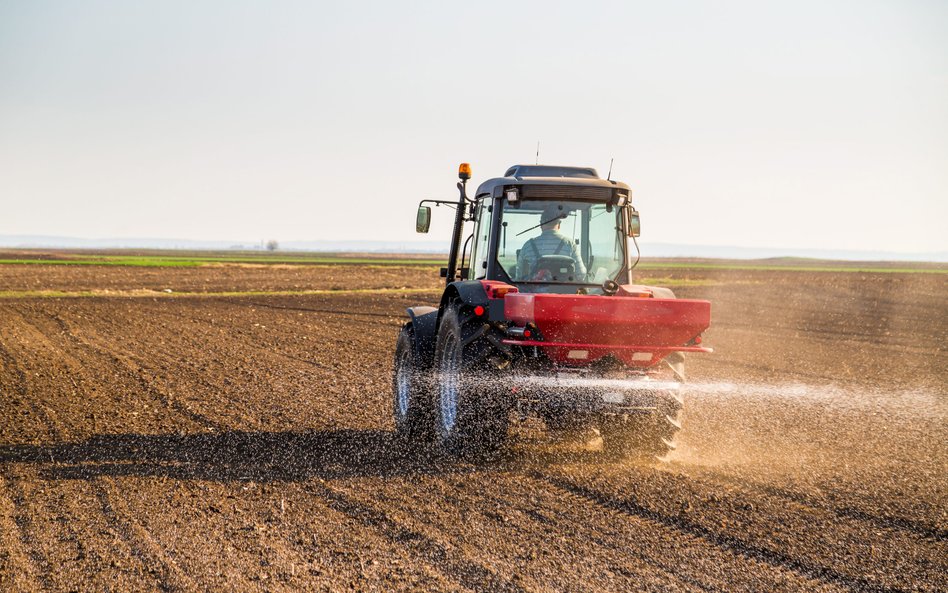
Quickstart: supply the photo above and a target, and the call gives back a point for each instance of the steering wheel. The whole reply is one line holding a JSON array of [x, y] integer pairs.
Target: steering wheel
[[554, 267]]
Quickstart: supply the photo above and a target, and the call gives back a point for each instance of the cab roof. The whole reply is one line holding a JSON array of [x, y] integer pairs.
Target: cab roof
[[551, 171], [546, 175]]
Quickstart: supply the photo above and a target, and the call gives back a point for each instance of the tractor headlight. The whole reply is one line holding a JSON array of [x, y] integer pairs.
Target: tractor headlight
[[512, 195]]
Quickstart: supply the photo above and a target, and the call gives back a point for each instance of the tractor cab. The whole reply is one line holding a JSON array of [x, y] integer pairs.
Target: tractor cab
[[543, 229]]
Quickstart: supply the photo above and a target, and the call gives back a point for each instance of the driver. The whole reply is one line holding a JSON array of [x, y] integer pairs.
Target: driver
[[550, 242]]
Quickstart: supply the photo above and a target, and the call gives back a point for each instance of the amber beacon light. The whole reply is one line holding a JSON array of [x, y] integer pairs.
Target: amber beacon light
[[464, 171]]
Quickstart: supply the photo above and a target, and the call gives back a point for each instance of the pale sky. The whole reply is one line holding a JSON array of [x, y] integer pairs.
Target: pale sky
[[813, 124]]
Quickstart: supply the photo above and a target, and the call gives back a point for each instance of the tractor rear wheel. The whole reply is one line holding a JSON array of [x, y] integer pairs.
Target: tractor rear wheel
[[469, 415], [643, 436], [411, 399]]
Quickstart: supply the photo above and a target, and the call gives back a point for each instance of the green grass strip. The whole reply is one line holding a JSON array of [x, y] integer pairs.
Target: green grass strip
[[69, 294], [135, 262]]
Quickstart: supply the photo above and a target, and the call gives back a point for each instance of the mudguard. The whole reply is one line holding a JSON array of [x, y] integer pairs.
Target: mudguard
[[424, 322], [470, 292], [473, 293]]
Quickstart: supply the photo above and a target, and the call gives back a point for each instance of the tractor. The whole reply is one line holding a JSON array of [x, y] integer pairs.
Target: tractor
[[540, 317]]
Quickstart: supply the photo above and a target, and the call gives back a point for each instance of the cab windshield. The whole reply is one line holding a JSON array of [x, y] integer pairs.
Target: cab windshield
[[561, 242]]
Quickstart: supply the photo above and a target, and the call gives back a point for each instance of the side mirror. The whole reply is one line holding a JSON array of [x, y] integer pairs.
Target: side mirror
[[423, 219], [635, 226]]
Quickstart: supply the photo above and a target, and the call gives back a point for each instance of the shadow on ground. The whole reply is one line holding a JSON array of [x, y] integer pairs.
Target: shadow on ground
[[257, 456]]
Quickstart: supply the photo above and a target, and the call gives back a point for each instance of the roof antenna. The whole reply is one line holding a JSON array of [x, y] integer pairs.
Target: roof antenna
[[609, 176], [538, 152]]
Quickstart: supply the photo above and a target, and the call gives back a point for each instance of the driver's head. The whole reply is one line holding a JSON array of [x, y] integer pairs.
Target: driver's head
[[551, 216]]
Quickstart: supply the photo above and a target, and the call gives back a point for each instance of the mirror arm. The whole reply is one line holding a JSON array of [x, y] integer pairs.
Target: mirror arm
[[439, 203]]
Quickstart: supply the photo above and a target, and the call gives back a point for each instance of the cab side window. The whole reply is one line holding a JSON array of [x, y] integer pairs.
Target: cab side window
[[481, 241]]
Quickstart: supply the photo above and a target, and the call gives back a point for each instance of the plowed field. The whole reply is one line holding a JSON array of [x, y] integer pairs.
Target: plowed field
[[205, 440]]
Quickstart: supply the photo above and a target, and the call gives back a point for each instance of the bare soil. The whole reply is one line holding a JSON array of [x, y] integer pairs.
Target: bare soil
[[214, 278], [211, 443]]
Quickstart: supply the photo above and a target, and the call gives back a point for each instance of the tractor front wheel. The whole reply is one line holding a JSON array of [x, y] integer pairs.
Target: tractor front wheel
[[469, 417]]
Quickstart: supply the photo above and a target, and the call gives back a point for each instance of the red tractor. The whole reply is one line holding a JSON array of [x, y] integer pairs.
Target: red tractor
[[540, 316]]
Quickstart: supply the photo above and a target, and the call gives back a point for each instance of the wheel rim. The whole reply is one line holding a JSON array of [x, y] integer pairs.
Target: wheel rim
[[403, 383], [449, 381]]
